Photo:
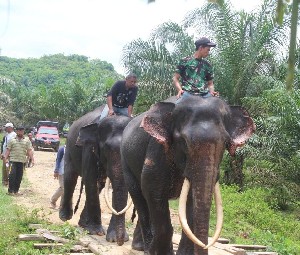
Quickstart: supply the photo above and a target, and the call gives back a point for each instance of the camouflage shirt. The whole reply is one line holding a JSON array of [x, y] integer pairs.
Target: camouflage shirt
[[195, 73]]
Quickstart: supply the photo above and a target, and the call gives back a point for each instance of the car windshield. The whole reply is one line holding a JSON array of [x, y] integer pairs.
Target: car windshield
[[48, 131]]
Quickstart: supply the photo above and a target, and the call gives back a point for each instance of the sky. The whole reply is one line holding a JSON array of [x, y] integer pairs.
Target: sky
[[98, 29]]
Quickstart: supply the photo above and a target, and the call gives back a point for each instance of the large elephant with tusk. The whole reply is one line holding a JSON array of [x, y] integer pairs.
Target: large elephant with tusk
[[174, 150], [93, 152]]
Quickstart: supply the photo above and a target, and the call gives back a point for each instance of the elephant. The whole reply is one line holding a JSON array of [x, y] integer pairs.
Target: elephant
[[93, 152], [174, 147]]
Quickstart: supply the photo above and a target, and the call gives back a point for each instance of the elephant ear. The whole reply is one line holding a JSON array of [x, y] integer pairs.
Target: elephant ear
[[157, 122], [241, 128], [87, 135]]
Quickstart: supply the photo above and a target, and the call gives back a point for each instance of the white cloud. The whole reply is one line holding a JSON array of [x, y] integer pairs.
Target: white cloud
[[94, 28]]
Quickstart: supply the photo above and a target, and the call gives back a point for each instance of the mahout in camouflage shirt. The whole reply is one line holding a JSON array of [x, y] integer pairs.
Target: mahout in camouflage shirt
[[195, 73]]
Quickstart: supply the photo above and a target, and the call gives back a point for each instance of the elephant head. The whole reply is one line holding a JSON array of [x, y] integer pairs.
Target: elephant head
[[194, 135]]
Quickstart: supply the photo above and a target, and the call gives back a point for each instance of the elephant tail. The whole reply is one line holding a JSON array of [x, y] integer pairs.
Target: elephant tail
[[133, 214], [77, 204]]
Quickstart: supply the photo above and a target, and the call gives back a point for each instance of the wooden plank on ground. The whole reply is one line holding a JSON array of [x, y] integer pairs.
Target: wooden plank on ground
[[112, 250], [55, 238], [47, 245], [35, 226], [43, 230], [99, 245], [79, 248], [218, 248], [176, 239], [80, 253], [229, 249], [30, 237], [249, 247], [262, 253]]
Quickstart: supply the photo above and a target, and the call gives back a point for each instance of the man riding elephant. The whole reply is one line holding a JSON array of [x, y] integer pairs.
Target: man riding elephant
[[121, 97]]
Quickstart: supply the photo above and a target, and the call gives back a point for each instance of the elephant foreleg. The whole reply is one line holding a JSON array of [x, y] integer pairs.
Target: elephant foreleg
[[186, 246], [70, 181], [142, 210], [157, 200], [93, 226], [90, 218]]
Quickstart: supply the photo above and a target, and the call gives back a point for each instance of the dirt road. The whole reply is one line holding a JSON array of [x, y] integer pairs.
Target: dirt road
[[38, 185]]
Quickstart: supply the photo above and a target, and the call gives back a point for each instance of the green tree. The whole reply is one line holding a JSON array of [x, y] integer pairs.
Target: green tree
[[277, 137], [55, 87], [154, 62]]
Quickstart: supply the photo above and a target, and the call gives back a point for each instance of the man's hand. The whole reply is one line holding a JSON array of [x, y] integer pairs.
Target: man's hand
[[215, 93], [180, 92], [55, 175], [111, 112]]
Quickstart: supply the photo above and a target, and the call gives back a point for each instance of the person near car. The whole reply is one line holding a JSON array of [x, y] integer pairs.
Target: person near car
[[31, 139], [121, 97], [18, 149], [59, 174], [10, 133]]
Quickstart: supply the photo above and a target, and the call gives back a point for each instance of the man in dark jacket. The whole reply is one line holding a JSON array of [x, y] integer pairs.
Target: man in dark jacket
[[121, 97]]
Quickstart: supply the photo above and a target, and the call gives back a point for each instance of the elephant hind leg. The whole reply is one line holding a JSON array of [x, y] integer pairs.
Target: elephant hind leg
[[137, 241]]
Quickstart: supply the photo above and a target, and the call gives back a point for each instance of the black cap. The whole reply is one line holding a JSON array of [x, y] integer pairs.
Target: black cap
[[20, 128], [204, 42]]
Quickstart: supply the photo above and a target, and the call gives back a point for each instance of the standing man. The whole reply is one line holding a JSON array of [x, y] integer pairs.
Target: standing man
[[17, 150], [59, 174], [121, 97], [10, 134], [194, 75]]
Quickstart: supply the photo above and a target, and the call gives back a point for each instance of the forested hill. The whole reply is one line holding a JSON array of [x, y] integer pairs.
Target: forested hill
[[54, 87]]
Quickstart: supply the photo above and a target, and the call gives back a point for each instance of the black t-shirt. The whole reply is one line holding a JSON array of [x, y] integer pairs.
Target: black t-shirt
[[121, 96]]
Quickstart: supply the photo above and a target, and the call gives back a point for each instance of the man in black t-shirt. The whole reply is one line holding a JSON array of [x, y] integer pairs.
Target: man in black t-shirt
[[121, 97]]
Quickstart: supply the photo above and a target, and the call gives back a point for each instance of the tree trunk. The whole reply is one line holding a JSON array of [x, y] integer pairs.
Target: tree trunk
[[293, 39]]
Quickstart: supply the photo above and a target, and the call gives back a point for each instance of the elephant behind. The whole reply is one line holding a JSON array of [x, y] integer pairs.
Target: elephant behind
[[172, 144], [93, 152]]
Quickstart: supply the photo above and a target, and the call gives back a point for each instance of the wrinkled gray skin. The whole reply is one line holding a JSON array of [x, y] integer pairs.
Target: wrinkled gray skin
[[94, 155], [167, 144]]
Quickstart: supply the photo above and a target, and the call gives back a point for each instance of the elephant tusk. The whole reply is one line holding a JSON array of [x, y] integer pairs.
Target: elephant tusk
[[108, 203], [182, 214], [219, 212]]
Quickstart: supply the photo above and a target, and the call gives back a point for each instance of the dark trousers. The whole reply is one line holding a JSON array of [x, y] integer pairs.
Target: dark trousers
[[15, 176], [4, 173]]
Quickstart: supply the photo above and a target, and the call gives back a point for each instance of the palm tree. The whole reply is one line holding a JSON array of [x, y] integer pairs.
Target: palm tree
[[155, 60]]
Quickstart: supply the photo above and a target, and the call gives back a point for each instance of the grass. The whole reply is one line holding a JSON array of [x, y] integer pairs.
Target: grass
[[15, 220], [249, 219]]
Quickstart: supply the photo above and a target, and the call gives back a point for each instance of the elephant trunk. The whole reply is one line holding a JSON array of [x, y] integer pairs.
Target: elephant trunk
[[119, 202], [106, 195], [119, 198], [203, 172]]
